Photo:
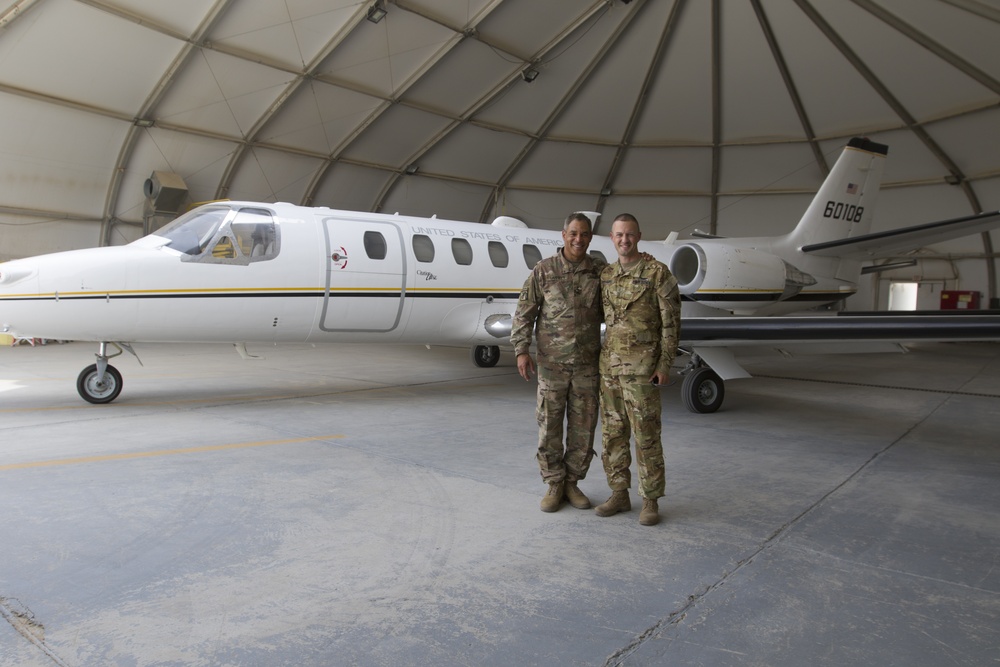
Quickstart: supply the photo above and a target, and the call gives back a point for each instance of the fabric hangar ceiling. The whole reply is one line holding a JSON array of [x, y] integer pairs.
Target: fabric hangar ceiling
[[722, 116]]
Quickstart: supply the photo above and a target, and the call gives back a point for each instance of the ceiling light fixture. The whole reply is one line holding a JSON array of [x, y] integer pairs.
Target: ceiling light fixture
[[529, 74], [376, 12], [412, 169]]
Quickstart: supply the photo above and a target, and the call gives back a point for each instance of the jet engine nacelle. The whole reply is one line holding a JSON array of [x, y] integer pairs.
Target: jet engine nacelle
[[733, 278]]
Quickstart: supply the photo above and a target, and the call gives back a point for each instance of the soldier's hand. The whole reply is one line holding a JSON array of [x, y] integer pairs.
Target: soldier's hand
[[659, 378], [525, 366]]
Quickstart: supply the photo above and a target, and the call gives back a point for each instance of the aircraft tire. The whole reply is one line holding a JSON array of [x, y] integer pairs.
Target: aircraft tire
[[486, 356], [96, 392], [703, 390]]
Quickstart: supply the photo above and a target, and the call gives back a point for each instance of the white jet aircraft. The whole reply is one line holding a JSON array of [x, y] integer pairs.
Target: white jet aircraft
[[243, 272]]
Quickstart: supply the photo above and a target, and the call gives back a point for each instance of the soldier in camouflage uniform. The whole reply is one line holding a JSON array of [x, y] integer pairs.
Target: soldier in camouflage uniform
[[642, 314], [560, 302]]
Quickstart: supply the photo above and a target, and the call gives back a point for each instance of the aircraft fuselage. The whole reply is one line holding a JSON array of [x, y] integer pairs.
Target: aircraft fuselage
[[333, 276]]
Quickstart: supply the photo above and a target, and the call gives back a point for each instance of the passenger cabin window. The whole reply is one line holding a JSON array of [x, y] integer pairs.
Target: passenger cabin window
[[498, 254], [462, 251], [223, 235], [532, 255], [375, 245], [598, 255], [423, 248]]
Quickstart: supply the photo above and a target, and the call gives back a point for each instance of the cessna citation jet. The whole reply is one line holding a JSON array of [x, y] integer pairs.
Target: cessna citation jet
[[242, 272]]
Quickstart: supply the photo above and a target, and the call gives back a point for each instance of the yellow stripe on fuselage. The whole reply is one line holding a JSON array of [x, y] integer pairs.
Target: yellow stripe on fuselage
[[250, 290]]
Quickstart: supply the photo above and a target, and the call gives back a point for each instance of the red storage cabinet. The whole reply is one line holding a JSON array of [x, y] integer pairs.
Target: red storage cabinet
[[959, 300]]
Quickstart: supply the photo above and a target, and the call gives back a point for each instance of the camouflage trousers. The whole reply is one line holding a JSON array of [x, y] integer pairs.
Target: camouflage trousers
[[630, 404], [571, 393]]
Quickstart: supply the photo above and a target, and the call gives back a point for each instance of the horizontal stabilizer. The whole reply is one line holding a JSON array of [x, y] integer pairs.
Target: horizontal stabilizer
[[895, 241]]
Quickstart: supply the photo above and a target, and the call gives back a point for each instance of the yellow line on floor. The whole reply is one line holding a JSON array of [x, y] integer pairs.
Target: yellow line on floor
[[162, 452], [156, 404]]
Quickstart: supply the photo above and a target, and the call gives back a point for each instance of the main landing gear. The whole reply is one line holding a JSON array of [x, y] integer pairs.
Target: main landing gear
[[486, 356], [101, 382], [702, 390]]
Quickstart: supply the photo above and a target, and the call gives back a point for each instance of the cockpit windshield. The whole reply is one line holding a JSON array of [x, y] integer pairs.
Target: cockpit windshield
[[223, 235], [191, 232]]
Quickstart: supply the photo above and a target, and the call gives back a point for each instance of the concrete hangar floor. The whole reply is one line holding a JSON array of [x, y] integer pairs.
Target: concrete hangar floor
[[378, 505]]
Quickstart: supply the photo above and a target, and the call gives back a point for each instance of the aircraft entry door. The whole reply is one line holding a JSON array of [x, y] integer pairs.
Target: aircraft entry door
[[365, 276]]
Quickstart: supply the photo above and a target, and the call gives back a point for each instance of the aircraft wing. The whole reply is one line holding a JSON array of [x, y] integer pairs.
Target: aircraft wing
[[744, 331], [896, 241]]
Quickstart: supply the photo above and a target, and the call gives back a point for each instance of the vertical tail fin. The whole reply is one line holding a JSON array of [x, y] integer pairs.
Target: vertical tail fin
[[845, 203]]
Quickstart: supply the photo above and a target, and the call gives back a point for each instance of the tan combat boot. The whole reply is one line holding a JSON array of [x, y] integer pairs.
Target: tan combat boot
[[553, 499], [618, 502], [650, 514], [576, 497]]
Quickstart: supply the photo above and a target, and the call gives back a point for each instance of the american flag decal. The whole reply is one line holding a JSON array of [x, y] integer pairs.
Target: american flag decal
[[852, 188]]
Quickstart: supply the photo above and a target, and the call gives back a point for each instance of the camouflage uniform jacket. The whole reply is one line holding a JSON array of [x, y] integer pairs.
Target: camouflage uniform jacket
[[642, 311], [561, 303]]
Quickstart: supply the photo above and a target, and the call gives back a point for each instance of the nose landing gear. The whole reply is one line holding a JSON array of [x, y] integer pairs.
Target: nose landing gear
[[101, 382], [97, 386]]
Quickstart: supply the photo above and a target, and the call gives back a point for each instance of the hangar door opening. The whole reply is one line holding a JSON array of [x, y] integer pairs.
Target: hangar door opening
[[903, 296]]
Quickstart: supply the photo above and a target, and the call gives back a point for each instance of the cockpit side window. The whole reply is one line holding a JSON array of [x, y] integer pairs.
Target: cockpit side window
[[222, 235], [255, 234], [224, 249]]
